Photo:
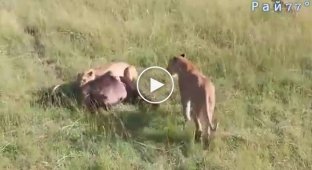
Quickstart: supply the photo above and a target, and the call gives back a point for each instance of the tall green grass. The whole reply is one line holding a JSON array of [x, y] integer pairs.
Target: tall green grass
[[260, 62]]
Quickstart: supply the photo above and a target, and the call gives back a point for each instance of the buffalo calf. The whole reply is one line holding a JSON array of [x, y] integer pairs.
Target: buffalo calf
[[105, 91]]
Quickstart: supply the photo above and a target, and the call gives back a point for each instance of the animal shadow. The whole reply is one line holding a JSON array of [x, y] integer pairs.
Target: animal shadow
[[171, 139], [66, 95], [125, 124]]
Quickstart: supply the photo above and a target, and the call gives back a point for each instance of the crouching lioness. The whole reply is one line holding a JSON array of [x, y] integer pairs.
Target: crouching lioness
[[197, 94], [117, 69]]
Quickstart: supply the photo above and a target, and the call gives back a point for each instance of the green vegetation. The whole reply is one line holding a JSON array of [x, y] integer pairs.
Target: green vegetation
[[260, 62]]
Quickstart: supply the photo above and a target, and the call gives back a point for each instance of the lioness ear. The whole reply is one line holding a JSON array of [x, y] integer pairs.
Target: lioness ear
[[110, 73], [183, 55], [127, 72], [90, 73]]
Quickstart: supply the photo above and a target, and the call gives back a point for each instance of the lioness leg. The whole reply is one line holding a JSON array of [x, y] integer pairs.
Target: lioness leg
[[198, 124], [198, 132], [205, 129], [210, 105], [186, 108]]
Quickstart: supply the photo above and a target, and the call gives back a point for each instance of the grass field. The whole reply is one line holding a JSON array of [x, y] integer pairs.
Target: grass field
[[261, 64]]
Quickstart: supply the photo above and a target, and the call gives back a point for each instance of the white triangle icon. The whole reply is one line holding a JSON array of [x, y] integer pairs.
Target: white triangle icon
[[154, 85]]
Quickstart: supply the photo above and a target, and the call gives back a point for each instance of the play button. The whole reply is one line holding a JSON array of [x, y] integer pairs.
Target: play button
[[155, 84]]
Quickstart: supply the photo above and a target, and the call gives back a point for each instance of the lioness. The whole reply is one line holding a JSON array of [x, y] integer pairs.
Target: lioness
[[197, 94], [117, 69]]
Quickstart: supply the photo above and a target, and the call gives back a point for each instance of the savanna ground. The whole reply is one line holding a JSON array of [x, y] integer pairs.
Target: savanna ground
[[260, 62]]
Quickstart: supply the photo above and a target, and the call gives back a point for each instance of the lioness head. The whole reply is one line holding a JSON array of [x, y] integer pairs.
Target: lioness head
[[86, 76], [175, 64]]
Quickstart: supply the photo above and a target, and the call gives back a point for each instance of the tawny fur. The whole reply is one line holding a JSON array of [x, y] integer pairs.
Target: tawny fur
[[117, 69], [197, 94]]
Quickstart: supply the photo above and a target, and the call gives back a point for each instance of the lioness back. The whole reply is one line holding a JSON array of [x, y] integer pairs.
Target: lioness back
[[117, 69]]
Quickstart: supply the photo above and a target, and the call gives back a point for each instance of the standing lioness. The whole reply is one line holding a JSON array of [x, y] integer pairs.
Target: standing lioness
[[197, 95]]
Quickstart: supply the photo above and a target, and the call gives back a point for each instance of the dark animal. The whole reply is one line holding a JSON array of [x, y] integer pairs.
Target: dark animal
[[108, 90], [129, 82], [132, 93], [105, 91]]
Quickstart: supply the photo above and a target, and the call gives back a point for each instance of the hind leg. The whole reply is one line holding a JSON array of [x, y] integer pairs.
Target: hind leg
[[205, 137], [198, 124], [186, 108], [205, 130], [210, 105], [213, 127], [198, 131]]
